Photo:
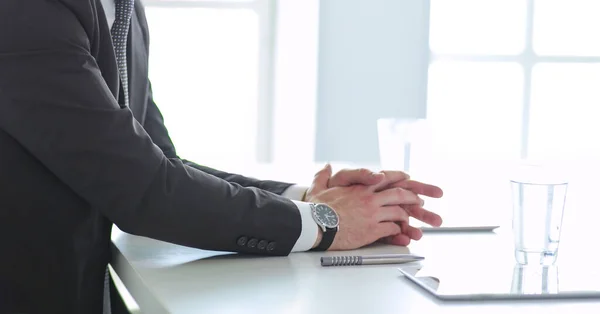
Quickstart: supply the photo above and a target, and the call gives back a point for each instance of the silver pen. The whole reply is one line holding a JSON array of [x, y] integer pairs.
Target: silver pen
[[369, 259]]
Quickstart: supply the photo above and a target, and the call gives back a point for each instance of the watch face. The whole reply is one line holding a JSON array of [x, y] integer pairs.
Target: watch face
[[326, 216]]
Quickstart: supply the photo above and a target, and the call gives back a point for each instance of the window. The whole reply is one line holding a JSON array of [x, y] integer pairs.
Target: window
[[210, 64], [511, 79], [524, 72]]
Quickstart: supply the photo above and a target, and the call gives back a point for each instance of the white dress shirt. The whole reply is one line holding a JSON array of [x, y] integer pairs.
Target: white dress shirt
[[310, 230]]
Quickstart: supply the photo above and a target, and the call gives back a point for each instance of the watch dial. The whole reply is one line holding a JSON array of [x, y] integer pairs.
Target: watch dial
[[327, 216]]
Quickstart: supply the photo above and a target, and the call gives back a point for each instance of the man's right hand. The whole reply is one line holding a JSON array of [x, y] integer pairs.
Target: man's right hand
[[365, 215]]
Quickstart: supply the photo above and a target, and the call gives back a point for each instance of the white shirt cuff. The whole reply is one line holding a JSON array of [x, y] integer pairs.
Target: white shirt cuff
[[295, 192], [309, 232]]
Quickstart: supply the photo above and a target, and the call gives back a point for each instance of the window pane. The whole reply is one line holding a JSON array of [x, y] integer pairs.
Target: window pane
[[567, 27], [204, 71], [475, 109], [565, 112], [478, 26]]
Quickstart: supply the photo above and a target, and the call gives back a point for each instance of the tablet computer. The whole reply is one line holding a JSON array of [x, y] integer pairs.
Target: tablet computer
[[472, 282], [445, 229]]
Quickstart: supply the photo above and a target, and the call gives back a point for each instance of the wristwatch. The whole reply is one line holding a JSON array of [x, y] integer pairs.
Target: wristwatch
[[329, 221]]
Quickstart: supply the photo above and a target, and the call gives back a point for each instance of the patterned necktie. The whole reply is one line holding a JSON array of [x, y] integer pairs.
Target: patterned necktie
[[123, 11]]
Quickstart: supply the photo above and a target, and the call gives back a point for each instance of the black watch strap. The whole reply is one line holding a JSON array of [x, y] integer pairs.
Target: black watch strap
[[326, 240]]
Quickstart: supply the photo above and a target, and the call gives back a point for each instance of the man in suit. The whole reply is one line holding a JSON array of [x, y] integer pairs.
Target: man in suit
[[83, 146]]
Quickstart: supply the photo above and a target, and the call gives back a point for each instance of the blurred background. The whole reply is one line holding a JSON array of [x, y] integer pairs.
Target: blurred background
[[276, 88]]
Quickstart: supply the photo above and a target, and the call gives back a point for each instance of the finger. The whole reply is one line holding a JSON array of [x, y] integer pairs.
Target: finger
[[348, 177], [392, 213], [399, 240], [396, 196], [391, 177], [386, 229], [420, 188], [424, 215], [321, 180], [410, 231]]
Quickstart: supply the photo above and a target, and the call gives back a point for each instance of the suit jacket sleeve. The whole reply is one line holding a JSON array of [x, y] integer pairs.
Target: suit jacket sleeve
[[56, 104], [155, 126]]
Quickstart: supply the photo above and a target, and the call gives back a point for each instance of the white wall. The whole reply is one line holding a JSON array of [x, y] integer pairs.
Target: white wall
[[372, 63]]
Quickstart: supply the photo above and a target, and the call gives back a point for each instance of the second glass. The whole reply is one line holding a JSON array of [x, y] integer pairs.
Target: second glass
[[538, 207]]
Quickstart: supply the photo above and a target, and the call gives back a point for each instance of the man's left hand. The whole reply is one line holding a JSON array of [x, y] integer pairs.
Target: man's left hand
[[389, 180]]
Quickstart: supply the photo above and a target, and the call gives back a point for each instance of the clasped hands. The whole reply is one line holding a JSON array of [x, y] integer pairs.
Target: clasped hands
[[373, 206]]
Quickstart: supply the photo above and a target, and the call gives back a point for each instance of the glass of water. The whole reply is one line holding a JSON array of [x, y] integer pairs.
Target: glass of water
[[400, 141], [538, 206]]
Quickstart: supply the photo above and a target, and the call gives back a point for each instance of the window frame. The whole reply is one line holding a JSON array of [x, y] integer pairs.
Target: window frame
[[265, 10], [527, 59]]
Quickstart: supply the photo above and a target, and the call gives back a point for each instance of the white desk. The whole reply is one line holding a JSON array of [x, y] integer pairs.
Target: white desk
[[165, 278]]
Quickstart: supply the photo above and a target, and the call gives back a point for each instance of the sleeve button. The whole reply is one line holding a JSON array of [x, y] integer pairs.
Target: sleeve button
[[271, 246], [242, 241], [262, 244], [252, 243]]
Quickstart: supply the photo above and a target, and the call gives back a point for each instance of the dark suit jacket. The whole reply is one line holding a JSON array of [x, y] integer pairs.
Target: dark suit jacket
[[72, 163]]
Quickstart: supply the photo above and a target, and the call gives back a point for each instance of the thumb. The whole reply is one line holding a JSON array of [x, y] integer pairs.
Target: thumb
[[348, 177], [321, 180]]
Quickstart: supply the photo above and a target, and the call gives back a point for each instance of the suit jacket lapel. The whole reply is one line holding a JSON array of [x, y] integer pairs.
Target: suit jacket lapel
[[137, 59]]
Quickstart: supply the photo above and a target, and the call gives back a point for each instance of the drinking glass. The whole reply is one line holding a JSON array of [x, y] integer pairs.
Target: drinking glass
[[538, 206], [400, 140]]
